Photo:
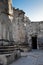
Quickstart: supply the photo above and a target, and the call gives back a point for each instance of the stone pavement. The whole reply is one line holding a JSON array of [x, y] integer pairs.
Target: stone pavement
[[34, 57]]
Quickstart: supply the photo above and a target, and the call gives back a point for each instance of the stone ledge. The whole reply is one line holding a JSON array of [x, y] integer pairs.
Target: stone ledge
[[6, 59]]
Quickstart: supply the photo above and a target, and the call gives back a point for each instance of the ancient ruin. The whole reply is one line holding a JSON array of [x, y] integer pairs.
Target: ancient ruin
[[7, 51], [17, 31]]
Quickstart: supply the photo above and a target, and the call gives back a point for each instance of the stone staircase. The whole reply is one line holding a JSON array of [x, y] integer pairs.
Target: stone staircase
[[6, 49]]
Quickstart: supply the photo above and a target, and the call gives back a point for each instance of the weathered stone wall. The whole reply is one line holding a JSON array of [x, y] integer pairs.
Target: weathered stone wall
[[32, 29], [27, 25], [5, 22], [18, 23], [37, 29], [4, 26], [15, 26], [40, 34]]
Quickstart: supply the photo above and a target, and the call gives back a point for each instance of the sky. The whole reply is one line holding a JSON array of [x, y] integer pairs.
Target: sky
[[32, 8]]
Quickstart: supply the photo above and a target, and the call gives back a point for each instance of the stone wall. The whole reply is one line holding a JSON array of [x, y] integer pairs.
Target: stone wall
[[15, 26], [18, 23], [32, 29], [5, 22], [24, 28]]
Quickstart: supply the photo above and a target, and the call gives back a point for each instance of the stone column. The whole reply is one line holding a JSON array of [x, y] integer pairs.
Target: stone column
[[1, 30]]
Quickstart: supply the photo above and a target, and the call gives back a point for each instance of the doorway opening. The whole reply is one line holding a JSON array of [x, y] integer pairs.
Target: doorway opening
[[34, 42]]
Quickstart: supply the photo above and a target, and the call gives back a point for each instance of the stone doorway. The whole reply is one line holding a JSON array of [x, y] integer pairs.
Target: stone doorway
[[34, 42]]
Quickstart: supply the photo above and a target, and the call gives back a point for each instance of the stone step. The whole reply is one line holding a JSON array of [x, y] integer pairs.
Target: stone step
[[6, 49]]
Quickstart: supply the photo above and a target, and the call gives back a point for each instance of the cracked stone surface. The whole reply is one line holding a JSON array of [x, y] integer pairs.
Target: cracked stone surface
[[34, 57]]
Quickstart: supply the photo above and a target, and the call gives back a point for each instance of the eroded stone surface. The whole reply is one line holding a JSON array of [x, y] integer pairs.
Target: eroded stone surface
[[31, 58]]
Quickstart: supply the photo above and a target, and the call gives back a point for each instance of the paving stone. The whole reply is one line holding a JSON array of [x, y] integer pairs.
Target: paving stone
[[31, 58]]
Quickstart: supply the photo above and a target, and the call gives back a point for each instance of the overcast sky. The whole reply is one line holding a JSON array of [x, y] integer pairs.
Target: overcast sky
[[32, 8]]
